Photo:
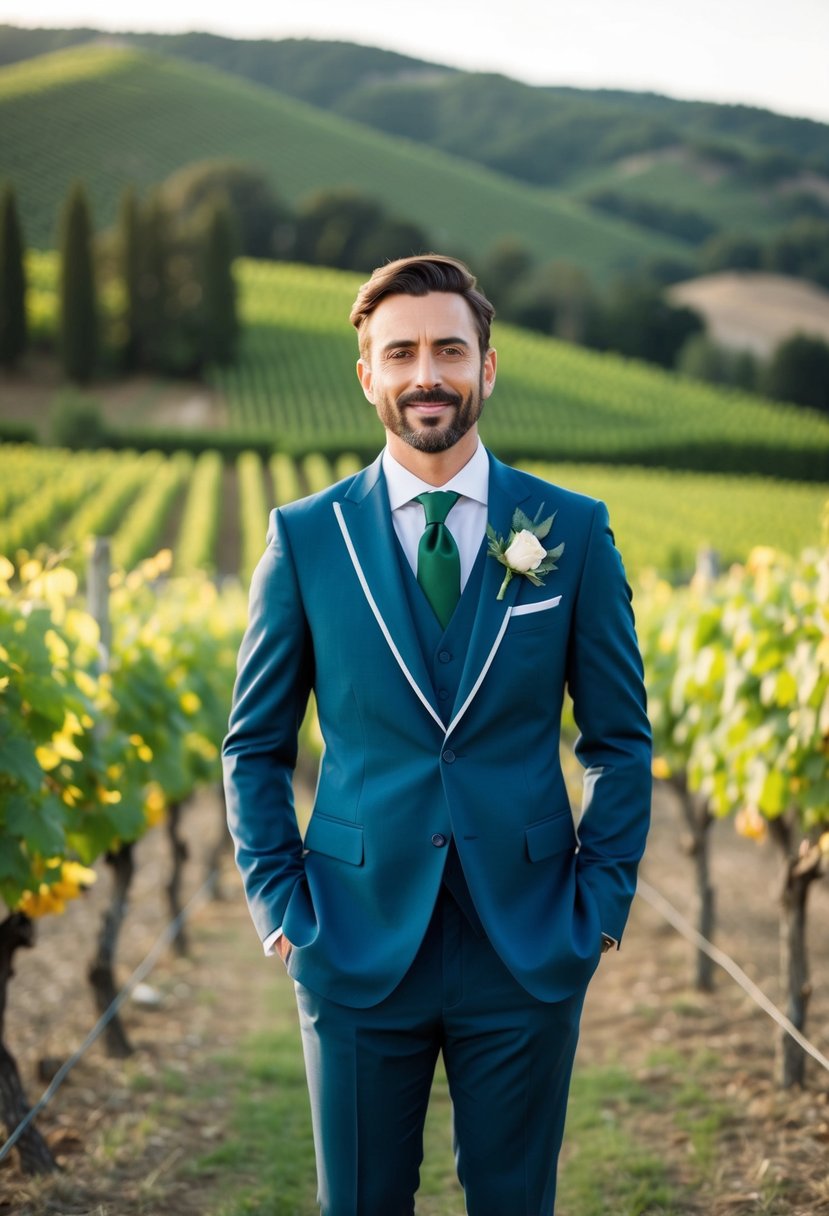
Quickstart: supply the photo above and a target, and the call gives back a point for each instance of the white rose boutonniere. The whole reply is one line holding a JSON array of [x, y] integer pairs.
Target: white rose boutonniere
[[522, 552]]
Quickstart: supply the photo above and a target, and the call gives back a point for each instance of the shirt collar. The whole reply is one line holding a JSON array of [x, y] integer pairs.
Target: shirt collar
[[472, 481]]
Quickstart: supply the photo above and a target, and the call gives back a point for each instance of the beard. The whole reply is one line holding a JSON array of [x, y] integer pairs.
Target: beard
[[432, 434]]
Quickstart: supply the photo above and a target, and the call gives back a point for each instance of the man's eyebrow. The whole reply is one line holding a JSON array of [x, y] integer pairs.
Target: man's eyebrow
[[409, 343]]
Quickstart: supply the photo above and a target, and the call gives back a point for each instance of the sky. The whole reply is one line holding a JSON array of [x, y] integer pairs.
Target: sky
[[771, 53]]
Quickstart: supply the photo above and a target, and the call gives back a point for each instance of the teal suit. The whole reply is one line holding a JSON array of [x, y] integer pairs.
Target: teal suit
[[408, 769]]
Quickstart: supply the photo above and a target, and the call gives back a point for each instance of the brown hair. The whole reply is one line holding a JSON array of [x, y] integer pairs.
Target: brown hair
[[417, 276]]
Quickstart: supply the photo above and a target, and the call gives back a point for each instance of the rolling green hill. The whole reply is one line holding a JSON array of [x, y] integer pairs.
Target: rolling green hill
[[112, 116], [740, 168]]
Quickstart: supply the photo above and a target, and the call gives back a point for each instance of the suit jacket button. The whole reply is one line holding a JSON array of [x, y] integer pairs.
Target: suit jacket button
[[449, 756], [438, 840], [445, 656]]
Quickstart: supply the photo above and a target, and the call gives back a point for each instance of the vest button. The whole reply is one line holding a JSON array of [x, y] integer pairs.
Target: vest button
[[449, 756], [438, 840], [445, 656]]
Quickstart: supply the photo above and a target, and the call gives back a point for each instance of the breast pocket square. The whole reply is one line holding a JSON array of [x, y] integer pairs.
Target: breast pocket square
[[539, 606]]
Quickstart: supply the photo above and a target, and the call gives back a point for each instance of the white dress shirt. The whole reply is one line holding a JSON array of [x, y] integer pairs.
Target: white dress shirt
[[466, 521]]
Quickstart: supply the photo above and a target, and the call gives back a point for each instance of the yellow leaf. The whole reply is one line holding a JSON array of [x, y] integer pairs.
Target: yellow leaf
[[30, 570], [145, 753], [155, 804], [750, 823], [6, 569], [58, 650], [47, 757], [71, 724], [73, 871], [660, 768], [86, 683], [65, 748], [110, 797], [74, 878], [190, 702], [41, 903], [772, 799], [83, 628], [60, 583]]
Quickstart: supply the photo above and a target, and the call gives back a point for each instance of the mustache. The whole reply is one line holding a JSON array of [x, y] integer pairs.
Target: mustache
[[430, 396]]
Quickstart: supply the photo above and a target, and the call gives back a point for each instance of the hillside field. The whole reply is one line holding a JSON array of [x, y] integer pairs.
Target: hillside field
[[112, 116], [585, 420], [748, 310], [215, 518]]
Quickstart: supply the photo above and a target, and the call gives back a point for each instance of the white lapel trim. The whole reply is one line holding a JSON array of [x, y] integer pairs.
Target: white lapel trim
[[540, 606], [355, 561], [473, 691]]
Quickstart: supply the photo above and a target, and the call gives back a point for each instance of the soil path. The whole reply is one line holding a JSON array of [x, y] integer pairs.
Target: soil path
[[124, 1152]]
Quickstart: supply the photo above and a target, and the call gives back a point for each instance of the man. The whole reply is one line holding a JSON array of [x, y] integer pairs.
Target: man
[[441, 900]]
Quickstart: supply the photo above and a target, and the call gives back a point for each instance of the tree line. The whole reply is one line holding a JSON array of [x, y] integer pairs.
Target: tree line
[[171, 256], [172, 277]]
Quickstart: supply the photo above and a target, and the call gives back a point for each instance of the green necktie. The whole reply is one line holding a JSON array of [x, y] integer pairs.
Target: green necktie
[[438, 560]]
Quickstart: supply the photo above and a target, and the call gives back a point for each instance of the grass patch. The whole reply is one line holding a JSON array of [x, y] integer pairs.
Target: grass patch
[[634, 1147], [604, 1168]]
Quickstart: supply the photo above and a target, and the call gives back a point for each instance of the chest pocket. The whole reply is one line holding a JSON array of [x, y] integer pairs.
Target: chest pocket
[[525, 618]]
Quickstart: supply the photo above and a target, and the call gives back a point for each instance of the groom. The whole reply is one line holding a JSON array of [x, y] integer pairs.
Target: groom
[[442, 900]]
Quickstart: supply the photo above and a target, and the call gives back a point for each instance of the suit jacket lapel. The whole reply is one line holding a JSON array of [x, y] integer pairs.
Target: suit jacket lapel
[[364, 518], [507, 490]]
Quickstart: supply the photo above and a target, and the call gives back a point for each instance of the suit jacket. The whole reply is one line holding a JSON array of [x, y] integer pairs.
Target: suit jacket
[[328, 613]]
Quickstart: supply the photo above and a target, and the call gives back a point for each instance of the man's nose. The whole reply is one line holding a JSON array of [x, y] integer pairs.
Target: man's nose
[[427, 370]]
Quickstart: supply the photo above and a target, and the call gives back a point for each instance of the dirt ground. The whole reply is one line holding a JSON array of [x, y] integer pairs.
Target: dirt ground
[[27, 396], [123, 1153]]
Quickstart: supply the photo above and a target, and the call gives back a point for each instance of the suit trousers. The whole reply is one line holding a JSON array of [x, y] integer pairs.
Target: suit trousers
[[508, 1060]]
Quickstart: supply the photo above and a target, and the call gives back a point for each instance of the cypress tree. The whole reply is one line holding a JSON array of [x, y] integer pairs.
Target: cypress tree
[[129, 253], [220, 323], [154, 322], [12, 282], [78, 304]]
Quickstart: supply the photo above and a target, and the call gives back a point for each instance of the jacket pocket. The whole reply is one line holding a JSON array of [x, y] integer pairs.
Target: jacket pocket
[[550, 836], [335, 838]]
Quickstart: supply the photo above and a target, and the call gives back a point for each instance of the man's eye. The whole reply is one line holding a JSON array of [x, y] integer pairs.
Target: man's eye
[[452, 350]]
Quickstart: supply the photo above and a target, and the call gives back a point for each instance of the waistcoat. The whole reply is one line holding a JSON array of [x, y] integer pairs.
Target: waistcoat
[[445, 651]]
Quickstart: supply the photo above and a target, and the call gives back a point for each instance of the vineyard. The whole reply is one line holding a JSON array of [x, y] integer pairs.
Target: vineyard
[[98, 753], [214, 518], [114, 689], [294, 387]]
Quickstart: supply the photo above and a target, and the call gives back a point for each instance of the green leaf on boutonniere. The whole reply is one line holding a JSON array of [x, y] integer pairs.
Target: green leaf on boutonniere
[[522, 552]]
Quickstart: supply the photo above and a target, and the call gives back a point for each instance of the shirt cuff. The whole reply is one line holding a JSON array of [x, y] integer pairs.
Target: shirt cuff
[[269, 944]]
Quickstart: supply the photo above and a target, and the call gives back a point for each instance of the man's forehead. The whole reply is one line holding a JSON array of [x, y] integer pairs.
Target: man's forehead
[[436, 314]]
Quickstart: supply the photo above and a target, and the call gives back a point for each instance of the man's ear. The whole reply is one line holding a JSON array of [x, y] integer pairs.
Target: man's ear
[[364, 376], [489, 368]]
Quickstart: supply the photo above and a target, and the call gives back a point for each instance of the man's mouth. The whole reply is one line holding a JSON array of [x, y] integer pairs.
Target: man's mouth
[[428, 409], [429, 404]]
